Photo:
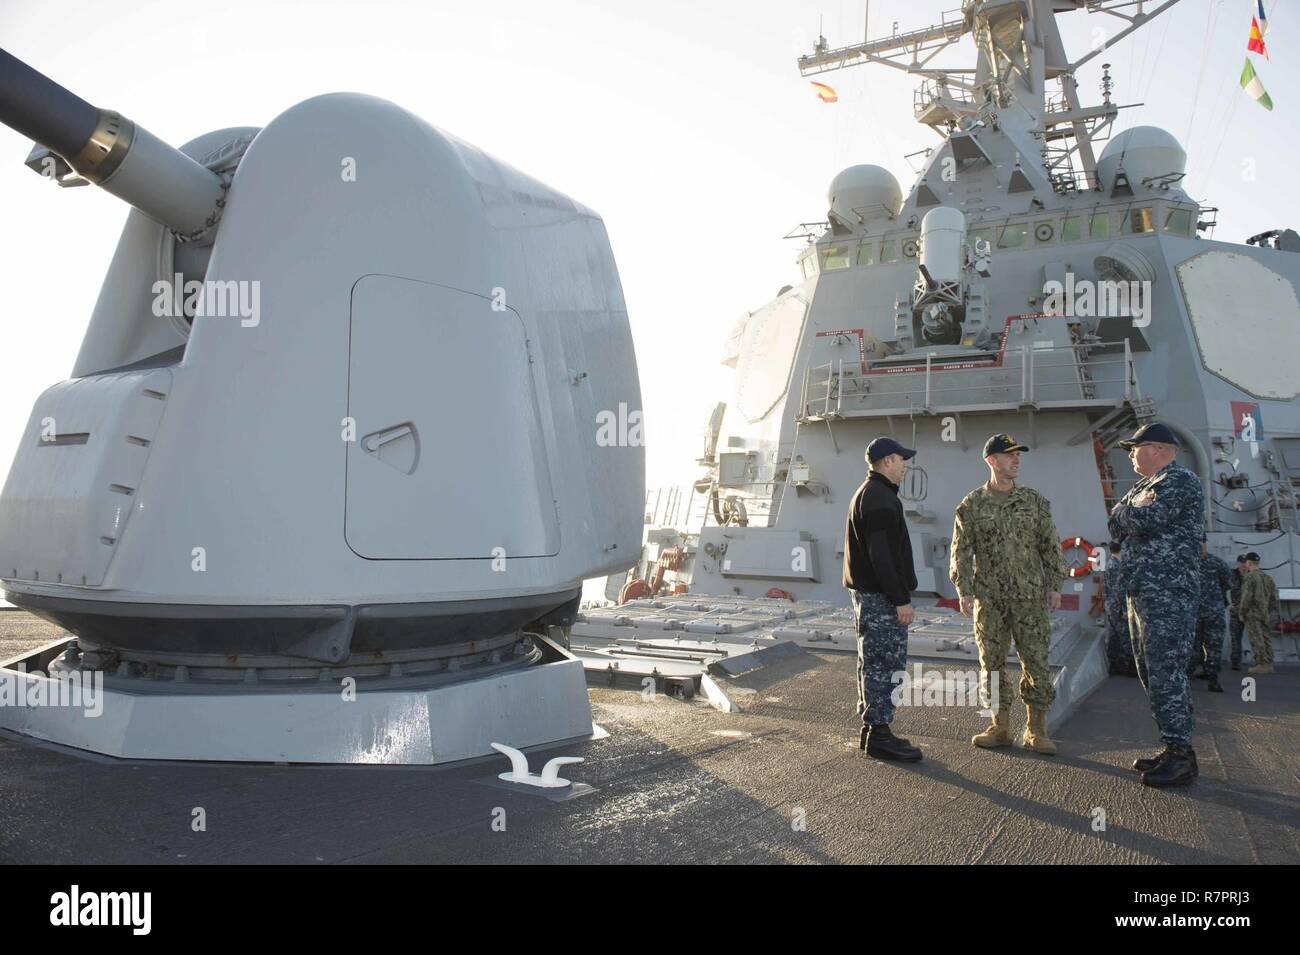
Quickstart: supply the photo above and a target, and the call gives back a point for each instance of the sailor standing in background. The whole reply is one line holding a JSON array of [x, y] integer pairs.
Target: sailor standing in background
[[1160, 523], [1007, 568], [1207, 651], [1235, 625], [1258, 596], [1119, 647], [879, 574]]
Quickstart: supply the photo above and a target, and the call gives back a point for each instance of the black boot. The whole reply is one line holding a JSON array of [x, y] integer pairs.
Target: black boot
[[1142, 765], [1200, 676], [1176, 768], [1214, 686], [862, 740], [883, 744], [1149, 762]]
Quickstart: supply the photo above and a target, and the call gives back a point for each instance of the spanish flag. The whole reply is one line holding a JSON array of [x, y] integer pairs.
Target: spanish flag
[[824, 92], [1256, 42]]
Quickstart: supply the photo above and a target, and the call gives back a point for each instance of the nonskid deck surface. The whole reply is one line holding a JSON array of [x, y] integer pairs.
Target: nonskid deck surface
[[781, 781]]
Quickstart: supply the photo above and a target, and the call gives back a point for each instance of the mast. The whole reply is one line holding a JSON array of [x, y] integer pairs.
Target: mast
[[1022, 83]]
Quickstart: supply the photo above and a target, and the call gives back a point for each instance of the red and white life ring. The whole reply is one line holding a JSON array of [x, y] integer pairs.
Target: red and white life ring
[[1078, 543]]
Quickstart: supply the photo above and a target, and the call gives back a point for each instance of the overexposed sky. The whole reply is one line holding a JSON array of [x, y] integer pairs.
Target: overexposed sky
[[685, 125]]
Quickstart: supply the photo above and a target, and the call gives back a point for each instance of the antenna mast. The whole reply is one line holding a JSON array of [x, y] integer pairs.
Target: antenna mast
[[1019, 52]]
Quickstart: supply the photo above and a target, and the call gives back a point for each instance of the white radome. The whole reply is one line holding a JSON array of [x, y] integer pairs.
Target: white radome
[[862, 193], [1145, 151]]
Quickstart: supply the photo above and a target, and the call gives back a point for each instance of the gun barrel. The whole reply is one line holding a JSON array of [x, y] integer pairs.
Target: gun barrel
[[107, 149]]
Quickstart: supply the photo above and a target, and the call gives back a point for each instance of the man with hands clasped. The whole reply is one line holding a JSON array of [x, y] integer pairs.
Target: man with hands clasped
[[879, 573], [1007, 568]]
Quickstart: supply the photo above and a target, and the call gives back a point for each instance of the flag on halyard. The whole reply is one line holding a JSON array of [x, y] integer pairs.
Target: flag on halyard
[[1256, 42], [1263, 20], [1251, 84], [824, 92]]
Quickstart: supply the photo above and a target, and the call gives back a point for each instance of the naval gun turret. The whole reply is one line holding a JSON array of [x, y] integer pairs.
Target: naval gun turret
[[358, 402]]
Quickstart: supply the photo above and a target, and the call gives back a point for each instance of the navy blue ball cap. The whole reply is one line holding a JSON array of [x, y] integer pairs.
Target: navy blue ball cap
[[1151, 433], [1242, 558], [1253, 556], [884, 447], [1002, 444]]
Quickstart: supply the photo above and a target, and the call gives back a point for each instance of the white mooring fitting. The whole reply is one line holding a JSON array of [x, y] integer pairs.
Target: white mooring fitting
[[550, 775]]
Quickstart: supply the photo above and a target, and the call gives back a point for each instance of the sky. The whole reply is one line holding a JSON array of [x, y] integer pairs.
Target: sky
[[686, 126]]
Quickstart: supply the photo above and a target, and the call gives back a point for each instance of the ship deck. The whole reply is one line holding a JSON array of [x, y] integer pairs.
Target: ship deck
[[678, 781]]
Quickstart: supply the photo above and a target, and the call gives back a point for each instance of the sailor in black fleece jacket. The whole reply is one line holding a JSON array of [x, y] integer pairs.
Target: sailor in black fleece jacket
[[879, 574]]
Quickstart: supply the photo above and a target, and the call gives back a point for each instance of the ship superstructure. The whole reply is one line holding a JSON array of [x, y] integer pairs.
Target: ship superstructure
[[1025, 283]]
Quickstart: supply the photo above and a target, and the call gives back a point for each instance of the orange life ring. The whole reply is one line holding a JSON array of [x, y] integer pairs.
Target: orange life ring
[[634, 589], [1078, 543]]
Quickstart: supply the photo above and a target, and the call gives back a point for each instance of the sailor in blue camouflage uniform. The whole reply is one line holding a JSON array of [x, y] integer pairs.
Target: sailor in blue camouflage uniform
[[880, 575], [1160, 524], [1207, 652], [1119, 647]]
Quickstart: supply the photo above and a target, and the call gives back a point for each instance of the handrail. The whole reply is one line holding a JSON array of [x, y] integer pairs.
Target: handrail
[[832, 390]]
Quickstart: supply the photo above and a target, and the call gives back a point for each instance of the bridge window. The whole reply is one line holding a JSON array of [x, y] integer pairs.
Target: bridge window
[[1137, 221], [1014, 235], [835, 257], [1099, 226], [1072, 229], [867, 253], [809, 265], [1179, 221], [888, 251]]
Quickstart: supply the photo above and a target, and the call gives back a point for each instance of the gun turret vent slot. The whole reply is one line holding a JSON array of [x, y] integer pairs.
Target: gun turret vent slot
[[121, 489], [142, 442], [70, 437], [150, 393]]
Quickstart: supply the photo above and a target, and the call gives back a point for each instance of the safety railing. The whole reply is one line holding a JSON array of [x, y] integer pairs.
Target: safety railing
[[1063, 377], [942, 94]]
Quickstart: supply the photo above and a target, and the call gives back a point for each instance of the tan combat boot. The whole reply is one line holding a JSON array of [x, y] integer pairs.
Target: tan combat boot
[[1264, 669], [998, 732], [1036, 737]]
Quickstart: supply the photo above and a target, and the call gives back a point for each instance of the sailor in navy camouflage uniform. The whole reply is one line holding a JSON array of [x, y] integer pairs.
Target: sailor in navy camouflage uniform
[[1119, 647], [1207, 651], [1160, 524], [879, 572]]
